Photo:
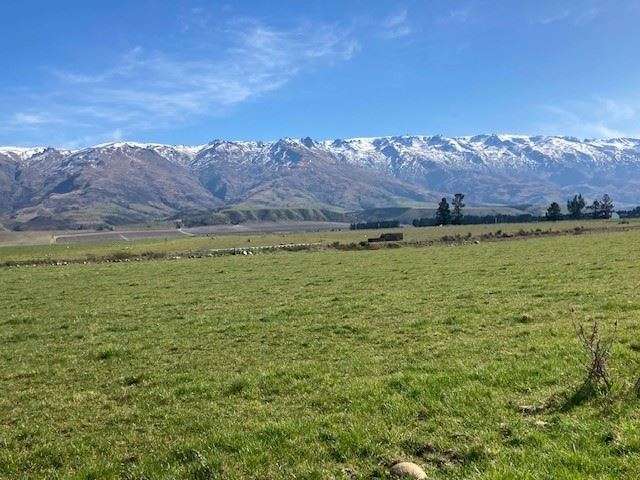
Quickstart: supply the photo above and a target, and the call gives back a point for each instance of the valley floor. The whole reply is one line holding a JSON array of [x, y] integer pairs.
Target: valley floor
[[321, 364], [50, 247]]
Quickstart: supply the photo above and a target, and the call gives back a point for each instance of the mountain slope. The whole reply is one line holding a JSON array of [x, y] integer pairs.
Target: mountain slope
[[295, 173], [114, 184], [131, 182], [505, 169]]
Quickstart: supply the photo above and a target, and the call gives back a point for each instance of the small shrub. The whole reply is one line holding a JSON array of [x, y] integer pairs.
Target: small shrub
[[598, 351]]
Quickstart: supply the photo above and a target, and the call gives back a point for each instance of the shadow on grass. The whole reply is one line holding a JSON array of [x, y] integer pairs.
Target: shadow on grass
[[585, 392], [442, 458]]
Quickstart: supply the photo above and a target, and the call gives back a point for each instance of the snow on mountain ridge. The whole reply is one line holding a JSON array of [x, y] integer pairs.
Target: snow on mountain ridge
[[358, 173], [21, 153], [182, 149], [479, 152]]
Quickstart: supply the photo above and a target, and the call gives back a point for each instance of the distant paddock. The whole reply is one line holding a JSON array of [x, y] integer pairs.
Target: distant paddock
[[124, 235]]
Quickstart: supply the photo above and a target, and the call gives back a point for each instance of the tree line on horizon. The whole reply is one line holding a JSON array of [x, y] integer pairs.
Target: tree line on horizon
[[599, 208], [444, 214], [454, 215]]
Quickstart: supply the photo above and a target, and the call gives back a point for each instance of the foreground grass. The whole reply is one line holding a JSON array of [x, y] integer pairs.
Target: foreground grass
[[321, 364]]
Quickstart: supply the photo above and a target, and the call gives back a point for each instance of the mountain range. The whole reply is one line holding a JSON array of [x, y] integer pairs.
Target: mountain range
[[128, 182]]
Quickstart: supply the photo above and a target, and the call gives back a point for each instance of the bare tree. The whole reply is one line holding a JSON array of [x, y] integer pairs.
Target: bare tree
[[598, 350]]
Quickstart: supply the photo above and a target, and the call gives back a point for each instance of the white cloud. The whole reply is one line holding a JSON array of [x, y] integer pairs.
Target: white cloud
[[29, 119], [461, 14], [597, 117], [396, 25], [93, 139], [587, 15], [147, 90], [578, 15], [194, 18], [555, 17]]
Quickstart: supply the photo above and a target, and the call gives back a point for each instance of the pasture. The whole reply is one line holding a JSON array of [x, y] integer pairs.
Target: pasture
[[321, 364], [26, 246]]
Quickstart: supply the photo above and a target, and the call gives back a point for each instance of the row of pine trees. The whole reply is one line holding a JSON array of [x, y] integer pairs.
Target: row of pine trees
[[445, 215], [600, 208]]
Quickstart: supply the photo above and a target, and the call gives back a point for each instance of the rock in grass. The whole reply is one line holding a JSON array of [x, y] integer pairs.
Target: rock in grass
[[530, 409], [408, 470]]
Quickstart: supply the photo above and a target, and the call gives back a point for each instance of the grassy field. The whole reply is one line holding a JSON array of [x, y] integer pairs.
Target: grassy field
[[322, 364], [20, 251]]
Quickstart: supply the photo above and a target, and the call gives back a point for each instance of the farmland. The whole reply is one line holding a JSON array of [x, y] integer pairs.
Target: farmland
[[321, 363], [25, 247]]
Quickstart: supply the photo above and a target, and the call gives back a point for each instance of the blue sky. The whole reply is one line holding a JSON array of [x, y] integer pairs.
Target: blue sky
[[77, 73]]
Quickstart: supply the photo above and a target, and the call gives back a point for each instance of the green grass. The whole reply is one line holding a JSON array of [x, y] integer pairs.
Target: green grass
[[322, 364], [186, 245]]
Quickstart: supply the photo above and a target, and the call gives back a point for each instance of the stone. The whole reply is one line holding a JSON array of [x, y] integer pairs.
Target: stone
[[408, 470], [530, 409]]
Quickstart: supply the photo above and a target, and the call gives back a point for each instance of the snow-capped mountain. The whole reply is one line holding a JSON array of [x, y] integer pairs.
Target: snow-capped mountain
[[129, 181], [20, 153]]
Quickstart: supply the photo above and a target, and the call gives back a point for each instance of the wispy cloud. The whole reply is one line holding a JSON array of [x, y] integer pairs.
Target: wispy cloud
[[147, 90], [596, 117], [554, 17], [588, 15], [578, 15], [461, 14], [195, 18], [396, 25], [29, 119]]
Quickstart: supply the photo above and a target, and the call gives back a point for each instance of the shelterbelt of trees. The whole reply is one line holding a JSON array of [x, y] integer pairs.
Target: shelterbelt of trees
[[576, 208]]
